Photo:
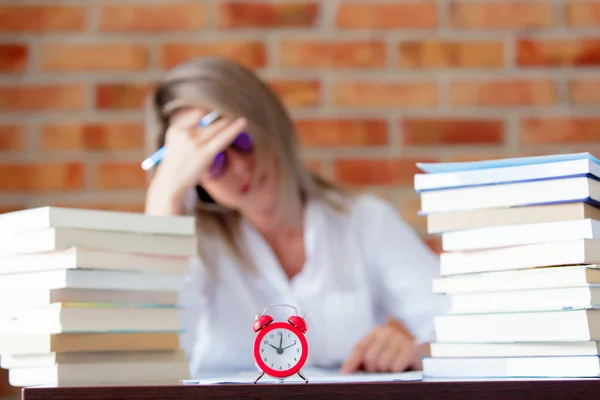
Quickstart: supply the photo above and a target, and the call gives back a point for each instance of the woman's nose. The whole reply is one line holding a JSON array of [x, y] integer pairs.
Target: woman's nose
[[239, 164]]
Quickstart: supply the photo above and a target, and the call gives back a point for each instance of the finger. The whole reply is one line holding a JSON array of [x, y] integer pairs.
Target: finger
[[355, 358], [387, 358], [377, 349], [185, 120], [223, 138], [205, 134], [181, 124], [403, 359]]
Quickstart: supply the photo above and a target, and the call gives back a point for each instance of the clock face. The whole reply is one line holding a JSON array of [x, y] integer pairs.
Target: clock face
[[280, 350]]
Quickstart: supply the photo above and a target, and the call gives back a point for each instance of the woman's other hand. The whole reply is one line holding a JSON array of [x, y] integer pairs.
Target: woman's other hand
[[387, 348], [190, 151]]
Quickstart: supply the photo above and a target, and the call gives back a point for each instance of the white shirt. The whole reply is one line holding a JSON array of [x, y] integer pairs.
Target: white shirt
[[360, 268]]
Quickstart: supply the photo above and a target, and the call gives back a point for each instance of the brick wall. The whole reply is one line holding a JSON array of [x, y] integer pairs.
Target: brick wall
[[374, 86]]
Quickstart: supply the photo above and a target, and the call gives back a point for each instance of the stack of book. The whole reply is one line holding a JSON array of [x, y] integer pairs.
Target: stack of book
[[520, 266], [89, 297]]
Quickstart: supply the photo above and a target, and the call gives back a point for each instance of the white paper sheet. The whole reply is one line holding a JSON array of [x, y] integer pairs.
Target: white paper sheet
[[313, 376]]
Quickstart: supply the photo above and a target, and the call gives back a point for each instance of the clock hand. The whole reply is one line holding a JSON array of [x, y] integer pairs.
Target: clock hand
[[276, 348], [289, 345], [280, 341]]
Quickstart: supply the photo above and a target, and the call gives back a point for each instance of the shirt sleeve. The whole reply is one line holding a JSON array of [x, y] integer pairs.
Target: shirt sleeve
[[403, 268]]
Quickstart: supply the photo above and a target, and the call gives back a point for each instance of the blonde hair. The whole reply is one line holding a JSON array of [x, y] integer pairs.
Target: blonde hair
[[215, 83]]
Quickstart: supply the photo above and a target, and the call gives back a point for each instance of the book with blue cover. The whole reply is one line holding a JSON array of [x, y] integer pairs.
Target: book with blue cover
[[512, 170], [504, 162]]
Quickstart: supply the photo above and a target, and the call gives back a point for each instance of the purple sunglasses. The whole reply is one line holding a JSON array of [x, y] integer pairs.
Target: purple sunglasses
[[242, 143]]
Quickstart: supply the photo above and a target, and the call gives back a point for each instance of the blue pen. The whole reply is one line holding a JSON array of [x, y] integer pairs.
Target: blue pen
[[160, 153]]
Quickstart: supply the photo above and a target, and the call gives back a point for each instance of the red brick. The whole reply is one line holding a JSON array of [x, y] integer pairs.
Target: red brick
[[380, 171], [241, 14], [385, 94], [137, 207], [314, 165], [409, 207], [297, 93], [151, 17], [582, 13], [92, 136], [121, 96], [121, 175], [12, 137], [40, 178], [387, 15], [328, 54], [93, 57], [10, 208], [515, 14], [449, 54], [29, 97], [342, 132], [567, 52], [13, 57], [492, 155], [559, 130], [515, 92], [584, 91], [451, 131], [42, 18], [252, 54]]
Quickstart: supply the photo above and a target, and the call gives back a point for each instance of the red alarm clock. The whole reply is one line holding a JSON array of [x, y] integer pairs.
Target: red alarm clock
[[280, 348]]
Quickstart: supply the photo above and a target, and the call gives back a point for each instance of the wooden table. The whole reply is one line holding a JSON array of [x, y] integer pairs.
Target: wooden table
[[587, 389]]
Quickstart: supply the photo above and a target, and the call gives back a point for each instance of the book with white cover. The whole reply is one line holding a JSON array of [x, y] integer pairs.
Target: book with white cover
[[506, 236], [519, 173], [42, 343], [526, 279], [569, 252], [64, 318], [534, 326], [495, 217], [516, 349], [101, 220], [547, 298], [24, 298], [125, 373], [54, 239], [81, 258], [8, 361], [512, 367], [560, 190], [93, 279]]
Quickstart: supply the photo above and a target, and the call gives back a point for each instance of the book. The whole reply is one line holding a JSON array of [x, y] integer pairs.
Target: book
[[90, 297], [90, 317], [40, 218], [89, 342], [59, 238], [82, 258], [504, 162], [563, 190], [536, 255], [512, 367], [508, 236], [507, 174], [438, 223]]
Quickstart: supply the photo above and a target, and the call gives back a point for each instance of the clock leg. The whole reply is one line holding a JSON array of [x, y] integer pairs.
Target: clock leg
[[301, 375], [260, 375]]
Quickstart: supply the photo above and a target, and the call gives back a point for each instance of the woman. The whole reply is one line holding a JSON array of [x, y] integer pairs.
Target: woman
[[270, 231]]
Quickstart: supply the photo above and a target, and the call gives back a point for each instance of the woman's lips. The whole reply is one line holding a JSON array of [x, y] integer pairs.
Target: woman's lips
[[248, 185]]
